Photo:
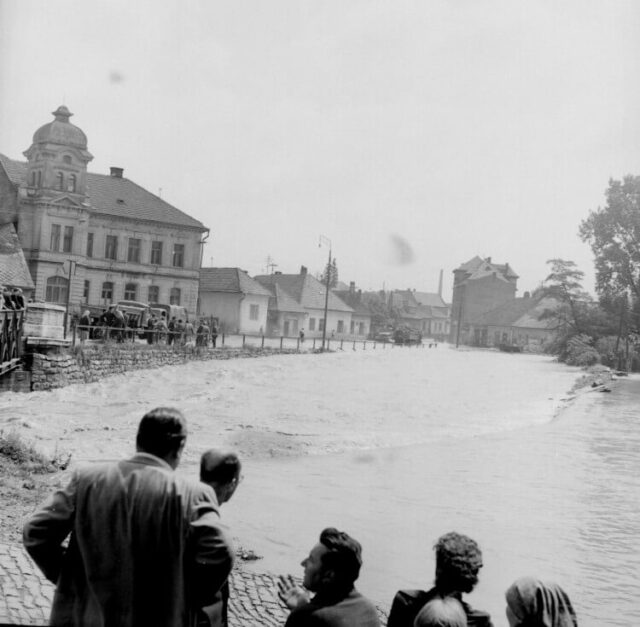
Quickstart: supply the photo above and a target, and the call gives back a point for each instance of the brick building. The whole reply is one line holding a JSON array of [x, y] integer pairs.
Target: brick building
[[95, 238], [479, 286]]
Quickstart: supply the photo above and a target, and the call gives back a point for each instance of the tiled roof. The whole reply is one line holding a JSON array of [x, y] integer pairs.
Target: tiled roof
[[519, 312], [429, 298], [233, 280], [14, 271], [284, 302], [305, 289], [118, 197], [354, 300], [471, 265], [477, 264]]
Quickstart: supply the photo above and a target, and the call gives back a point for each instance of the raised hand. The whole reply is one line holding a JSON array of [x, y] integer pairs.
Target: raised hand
[[290, 593]]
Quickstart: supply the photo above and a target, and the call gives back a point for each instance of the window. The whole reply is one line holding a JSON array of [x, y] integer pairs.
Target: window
[[89, 244], [111, 247], [66, 159], [60, 181], [33, 178], [71, 183], [340, 326], [312, 324], [133, 254], [38, 178], [55, 237], [174, 296], [57, 289], [67, 241], [107, 291], [321, 324], [154, 294], [361, 328], [85, 293], [156, 253], [353, 327], [254, 311], [178, 256], [130, 291]]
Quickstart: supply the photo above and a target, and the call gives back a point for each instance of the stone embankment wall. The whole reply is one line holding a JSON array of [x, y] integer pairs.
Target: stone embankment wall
[[93, 363]]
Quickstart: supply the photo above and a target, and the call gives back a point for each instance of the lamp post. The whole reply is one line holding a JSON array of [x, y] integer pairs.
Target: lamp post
[[66, 312], [327, 241]]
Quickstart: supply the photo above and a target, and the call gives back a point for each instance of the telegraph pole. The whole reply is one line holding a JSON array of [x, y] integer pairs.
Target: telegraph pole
[[326, 294]]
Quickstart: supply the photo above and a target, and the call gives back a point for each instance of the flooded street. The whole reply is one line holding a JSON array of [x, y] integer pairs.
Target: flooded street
[[397, 447]]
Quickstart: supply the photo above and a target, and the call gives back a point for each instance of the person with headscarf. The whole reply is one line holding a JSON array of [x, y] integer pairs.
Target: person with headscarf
[[532, 603], [84, 325]]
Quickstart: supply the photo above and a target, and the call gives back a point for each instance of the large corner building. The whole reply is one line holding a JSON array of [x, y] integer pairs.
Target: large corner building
[[95, 238]]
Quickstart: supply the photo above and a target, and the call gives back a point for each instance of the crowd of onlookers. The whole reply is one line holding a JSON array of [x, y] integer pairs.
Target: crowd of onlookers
[[157, 329], [12, 298], [147, 547]]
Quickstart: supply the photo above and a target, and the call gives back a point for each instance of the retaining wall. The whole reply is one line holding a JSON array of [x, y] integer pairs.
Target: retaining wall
[[87, 364]]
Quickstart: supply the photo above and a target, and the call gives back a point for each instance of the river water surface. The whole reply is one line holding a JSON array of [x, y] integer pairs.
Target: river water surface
[[398, 447]]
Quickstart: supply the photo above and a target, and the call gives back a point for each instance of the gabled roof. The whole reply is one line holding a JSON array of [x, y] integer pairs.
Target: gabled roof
[[429, 298], [518, 312], [118, 197], [354, 300], [283, 302], [483, 266], [230, 280], [397, 298], [14, 271], [304, 289]]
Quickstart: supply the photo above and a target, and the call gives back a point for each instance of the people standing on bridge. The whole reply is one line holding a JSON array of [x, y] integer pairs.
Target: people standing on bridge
[[84, 325], [214, 333], [18, 298], [301, 336], [222, 471], [330, 571], [458, 561], [146, 546], [172, 329]]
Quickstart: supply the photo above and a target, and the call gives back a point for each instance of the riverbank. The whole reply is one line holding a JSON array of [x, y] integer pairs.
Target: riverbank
[[347, 427]]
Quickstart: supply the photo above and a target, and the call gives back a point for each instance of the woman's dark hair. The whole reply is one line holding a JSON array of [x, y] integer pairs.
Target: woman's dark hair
[[344, 556], [161, 431], [458, 560]]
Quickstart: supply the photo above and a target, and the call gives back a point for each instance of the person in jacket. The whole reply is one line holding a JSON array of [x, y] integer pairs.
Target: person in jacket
[[146, 547], [222, 471], [441, 612], [458, 561], [532, 603], [330, 571]]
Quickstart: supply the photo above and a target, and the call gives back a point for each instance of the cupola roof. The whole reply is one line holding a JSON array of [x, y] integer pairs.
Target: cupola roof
[[61, 131]]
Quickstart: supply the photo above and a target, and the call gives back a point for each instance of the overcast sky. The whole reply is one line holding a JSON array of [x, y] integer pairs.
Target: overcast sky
[[414, 135]]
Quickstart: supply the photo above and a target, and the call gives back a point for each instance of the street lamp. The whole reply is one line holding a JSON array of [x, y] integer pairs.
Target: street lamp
[[66, 312], [327, 241]]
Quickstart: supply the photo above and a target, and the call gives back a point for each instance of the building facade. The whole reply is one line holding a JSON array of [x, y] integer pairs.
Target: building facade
[[479, 286], [238, 302], [94, 238]]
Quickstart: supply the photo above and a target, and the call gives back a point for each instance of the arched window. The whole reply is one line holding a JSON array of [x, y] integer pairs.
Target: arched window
[[71, 183], [60, 181], [57, 288], [174, 296], [66, 159], [130, 291], [38, 178], [33, 178]]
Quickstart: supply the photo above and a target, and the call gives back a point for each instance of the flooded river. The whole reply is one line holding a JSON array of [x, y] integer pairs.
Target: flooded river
[[398, 447]]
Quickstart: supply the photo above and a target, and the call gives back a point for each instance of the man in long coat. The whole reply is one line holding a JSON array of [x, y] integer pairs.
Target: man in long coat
[[146, 547]]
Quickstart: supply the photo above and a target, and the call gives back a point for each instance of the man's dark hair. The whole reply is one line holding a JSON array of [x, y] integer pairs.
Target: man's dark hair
[[218, 467], [344, 556], [458, 560], [161, 432]]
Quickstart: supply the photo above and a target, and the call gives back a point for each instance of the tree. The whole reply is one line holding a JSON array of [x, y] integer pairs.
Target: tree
[[613, 232], [332, 272]]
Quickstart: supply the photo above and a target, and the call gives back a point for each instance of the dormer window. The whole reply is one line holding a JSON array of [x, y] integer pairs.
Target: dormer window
[[60, 181], [66, 159], [71, 183]]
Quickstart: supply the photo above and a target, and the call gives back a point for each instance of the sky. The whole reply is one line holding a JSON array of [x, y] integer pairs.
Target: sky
[[411, 135]]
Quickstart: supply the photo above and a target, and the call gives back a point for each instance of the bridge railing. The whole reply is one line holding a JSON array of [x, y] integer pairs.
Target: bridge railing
[[11, 322]]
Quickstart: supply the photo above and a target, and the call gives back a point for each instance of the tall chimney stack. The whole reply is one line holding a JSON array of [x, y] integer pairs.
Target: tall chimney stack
[[117, 173], [440, 284]]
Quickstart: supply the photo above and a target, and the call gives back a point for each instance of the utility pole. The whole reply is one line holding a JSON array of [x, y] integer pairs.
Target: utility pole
[[66, 312], [327, 241], [461, 288]]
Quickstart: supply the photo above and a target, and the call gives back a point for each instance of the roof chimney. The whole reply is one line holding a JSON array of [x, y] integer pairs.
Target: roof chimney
[[352, 287], [488, 259], [116, 173], [303, 270]]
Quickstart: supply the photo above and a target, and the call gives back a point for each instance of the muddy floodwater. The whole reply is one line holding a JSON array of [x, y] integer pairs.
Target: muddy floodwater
[[397, 447]]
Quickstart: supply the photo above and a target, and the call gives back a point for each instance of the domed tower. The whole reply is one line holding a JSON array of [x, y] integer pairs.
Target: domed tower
[[58, 158]]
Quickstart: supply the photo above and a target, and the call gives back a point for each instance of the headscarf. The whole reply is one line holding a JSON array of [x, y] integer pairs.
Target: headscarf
[[536, 604]]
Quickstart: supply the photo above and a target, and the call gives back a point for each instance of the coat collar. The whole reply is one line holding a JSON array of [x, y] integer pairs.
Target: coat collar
[[147, 459]]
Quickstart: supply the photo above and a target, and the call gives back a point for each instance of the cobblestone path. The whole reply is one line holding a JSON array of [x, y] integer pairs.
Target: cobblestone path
[[25, 595]]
